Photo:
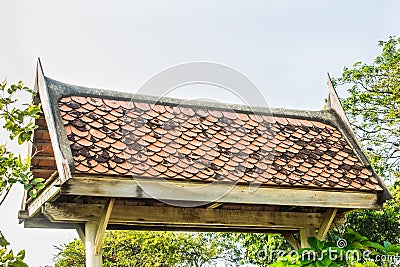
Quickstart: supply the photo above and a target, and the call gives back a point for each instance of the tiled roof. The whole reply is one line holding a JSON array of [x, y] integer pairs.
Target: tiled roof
[[120, 137]]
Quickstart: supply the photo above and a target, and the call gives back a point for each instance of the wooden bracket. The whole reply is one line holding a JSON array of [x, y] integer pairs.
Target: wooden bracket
[[329, 216], [81, 232], [305, 233], [105, 216], [291, 239]]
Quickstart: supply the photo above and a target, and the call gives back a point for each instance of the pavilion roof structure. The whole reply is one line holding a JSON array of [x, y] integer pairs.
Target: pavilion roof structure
[[94, 147]]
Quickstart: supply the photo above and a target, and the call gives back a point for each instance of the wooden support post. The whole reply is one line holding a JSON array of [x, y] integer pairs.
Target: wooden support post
[[92, 260], [291, 239], [326, 223], [305, 233], [94, 234]]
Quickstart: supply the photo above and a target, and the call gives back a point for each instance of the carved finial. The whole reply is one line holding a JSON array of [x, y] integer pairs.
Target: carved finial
[[334, 102]]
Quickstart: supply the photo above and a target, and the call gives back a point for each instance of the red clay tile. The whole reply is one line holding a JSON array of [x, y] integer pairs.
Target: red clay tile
[[281, 120], [343, 154], [78, 132], [142, 106], [318, 124]]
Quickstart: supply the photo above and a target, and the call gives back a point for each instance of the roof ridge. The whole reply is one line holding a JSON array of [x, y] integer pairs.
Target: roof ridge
[[64, 90]]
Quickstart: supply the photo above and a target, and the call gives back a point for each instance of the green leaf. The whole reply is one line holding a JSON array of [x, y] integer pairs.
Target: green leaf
[[3, 241], [19, 263], [386, 244], [313, 242], [326, 261], [27, 186], [21, 255], [33, 193], [375, 245], [320, 244], [37, 180], [39, 186]]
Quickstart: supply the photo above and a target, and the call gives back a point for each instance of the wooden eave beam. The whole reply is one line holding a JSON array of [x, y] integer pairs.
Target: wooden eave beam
[[182, 217], [45, 223], [126, 187]]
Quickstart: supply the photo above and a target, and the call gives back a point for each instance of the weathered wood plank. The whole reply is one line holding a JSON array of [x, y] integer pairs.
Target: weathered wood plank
[[199, 228], [48, 193], [49, 158], [127, 187], [45, 223], [49, 170], [121, 214]]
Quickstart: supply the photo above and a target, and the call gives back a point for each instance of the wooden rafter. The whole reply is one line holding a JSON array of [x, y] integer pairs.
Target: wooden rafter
[[214, 205]]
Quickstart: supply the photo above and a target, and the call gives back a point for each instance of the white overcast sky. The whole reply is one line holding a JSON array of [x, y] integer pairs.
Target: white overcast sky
[[285, 47]]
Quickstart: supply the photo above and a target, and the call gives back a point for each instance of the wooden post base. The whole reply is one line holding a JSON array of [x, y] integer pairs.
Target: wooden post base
[[92, 260]]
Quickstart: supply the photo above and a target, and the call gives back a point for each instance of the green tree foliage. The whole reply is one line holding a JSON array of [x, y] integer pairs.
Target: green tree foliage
[[16, 118], [373, 106], [145, 248], [7, 257], [260, 249], [379, 225]]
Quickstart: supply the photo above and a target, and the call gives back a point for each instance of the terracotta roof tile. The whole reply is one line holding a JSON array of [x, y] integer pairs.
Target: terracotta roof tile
[[117, 137]]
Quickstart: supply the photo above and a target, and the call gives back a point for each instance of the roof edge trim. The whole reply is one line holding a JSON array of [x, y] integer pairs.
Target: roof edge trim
[[336, 108], [335, 105], [52, 115]]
